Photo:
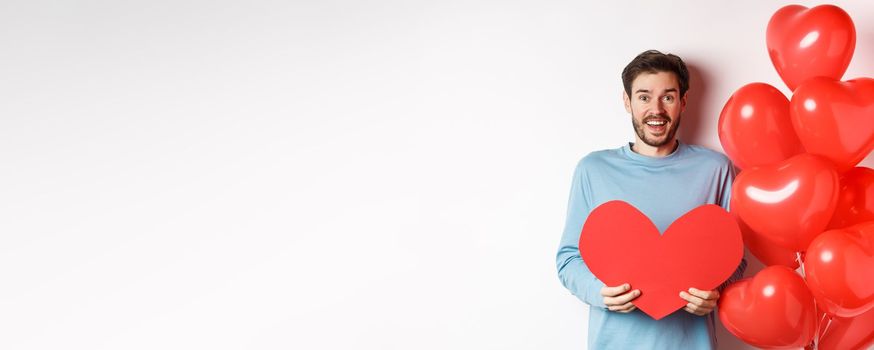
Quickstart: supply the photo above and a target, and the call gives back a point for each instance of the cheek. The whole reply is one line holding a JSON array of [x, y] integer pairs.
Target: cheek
[[644, 110], [675, 109]]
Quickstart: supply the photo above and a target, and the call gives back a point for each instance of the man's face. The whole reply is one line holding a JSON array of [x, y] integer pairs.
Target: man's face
[[655, 106]]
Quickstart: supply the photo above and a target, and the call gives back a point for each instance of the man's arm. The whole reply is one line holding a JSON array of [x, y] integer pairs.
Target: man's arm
[[572, 271]]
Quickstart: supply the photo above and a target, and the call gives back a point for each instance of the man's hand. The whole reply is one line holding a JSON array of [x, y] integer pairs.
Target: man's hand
[[701, 302], [619, 298]]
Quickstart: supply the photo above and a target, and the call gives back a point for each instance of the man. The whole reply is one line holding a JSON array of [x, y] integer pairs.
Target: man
[[663, 178]]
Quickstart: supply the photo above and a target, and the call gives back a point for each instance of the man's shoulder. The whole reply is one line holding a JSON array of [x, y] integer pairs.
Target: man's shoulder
[[597, 158]]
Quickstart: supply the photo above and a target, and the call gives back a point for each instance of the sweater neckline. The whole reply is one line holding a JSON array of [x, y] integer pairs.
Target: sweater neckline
[[628, 152]]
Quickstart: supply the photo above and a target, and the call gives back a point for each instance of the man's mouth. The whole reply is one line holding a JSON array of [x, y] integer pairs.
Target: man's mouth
[[656, 124]]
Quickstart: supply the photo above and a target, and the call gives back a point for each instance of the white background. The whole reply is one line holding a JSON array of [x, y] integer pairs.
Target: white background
[[326, 174]]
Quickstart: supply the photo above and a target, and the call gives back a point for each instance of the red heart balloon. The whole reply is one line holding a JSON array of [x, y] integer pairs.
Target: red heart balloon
[[699, 250], [855, 198], [772, 309], [766, 251], [755, 128], [855, 333], [805, 43], [840, 270], [788, 203], [835, 119]]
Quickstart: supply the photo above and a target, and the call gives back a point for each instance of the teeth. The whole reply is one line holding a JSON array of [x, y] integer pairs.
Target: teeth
[[656, 122]]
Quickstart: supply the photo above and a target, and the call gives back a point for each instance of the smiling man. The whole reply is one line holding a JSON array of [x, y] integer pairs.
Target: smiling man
[[655, 105], [663, 178]]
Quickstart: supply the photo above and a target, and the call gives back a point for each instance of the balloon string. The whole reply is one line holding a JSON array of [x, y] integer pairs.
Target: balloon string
[[817, 338], [800, 264], [830, 319], [816, 335]]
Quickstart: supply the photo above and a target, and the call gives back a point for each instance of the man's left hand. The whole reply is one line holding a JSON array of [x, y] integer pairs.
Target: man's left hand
[[701, 302]]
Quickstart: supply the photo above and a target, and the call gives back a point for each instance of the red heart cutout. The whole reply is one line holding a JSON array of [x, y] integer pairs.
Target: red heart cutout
[[835, 119], [699, 250], [772, 309], [755, 128], [788, 203], [805, 43], [840, 270]]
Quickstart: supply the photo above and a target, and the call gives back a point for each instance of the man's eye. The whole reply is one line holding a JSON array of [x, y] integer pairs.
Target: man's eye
[[669, 98], [644, 98]]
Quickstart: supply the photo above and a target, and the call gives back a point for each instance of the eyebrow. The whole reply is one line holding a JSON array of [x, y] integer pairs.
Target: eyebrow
[[645, 91]]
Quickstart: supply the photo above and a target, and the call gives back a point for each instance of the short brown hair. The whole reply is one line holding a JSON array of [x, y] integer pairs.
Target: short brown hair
[[653, 61]]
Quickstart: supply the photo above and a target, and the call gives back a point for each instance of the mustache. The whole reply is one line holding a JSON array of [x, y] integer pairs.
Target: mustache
[[657, 116]]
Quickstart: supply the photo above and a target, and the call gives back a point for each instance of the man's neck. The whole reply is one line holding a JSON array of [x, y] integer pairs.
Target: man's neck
[[652, 151]]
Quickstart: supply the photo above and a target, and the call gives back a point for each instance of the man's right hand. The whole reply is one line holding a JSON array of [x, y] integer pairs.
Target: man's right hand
[[619, 298]]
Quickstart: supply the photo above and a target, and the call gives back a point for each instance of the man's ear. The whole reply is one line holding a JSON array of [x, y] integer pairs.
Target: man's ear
[[627, 101]]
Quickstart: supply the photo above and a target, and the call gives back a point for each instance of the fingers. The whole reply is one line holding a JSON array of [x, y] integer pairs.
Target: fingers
[[614, 291], [622, 303], [697, 305], [704, 294], [619, 298], [700, 302], [624, 308], [694, 300], [697, 310], [622, 299], [693, 311]]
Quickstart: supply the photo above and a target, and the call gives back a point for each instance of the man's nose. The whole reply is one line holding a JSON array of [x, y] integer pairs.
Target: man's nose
[[660, 106]]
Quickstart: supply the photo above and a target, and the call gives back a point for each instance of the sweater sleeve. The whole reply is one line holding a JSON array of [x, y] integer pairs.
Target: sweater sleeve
[[572, 271]]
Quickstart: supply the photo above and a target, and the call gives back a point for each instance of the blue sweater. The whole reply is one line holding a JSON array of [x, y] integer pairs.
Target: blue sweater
[[664, 189]]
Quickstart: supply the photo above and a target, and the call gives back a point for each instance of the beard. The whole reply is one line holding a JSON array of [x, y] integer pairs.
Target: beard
[[669, 134]]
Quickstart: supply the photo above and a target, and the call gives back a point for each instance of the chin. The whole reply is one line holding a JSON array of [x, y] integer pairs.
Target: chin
[[657, 142]]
